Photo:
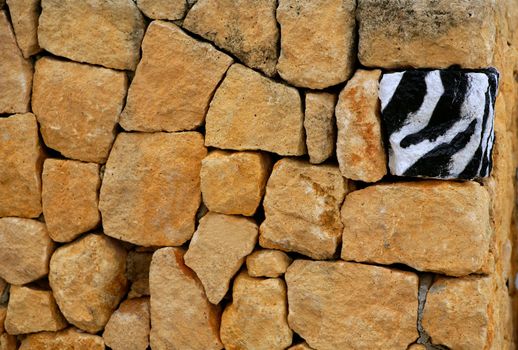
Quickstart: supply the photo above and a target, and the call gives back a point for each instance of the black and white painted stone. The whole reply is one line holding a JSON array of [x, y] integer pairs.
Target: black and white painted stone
[[439, 123]]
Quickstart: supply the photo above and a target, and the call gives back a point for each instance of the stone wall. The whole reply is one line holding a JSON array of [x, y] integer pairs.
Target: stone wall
[[182, 174]]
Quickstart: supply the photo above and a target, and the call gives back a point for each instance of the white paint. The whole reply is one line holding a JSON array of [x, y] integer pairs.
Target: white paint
[[388, 85]]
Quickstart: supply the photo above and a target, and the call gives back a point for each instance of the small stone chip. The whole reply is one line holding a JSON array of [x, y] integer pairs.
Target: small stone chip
[[267, 263]]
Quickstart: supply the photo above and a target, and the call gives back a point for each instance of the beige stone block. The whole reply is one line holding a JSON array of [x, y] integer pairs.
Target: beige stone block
[[24, 16], [267, 263], [163, 9], [320, 126], [68, 339], [128, 327]]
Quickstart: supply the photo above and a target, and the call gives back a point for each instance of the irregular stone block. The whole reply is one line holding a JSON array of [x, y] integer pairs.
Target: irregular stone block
[[439, 123], [341, 305], [128, 327], [151, 187], [24, 16], [446, 231], [319, 123], [317, 41], [163, 9], [137, 271], [251, 112], [174, 81], [267, 263], [78, 106], [70, 338]]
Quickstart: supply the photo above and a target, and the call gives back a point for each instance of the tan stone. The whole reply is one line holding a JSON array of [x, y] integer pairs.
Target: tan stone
[[21, 160], [3, 313], [317, 41], [25, 250], [137, 271], [417, 347], [359, 148], [8, 342], [174, 81], [250, 112], [341, 305], [256, 318], [267, 263], [319, 123], [245, 28], [3, 287], [24, 16], [181, 315], [128, 327], [423, 34], [301, 346], [70, 198], [31, 310], [78, 106], [151, 187], [234, 182], [88, 281], [101, 32], [68, 339], [302, 208], [15, 72], [218, 249], [437, 226], [163, 9]]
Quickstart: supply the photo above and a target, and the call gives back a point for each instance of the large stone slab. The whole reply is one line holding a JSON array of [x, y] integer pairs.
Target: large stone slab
[[320, 126], [70, 338], [24, 16], [151, 187], [128, 327], [163, 9]]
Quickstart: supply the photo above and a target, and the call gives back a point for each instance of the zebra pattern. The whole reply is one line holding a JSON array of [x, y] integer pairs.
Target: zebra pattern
[[439, 123]]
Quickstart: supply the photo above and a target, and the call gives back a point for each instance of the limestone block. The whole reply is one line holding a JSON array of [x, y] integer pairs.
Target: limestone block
[[70, 338], [24, 16], [319, 124], [128, 327], [163, 9], [267, 263]]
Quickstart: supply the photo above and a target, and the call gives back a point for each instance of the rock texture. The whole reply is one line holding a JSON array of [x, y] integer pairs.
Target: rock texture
[[8, 342], [88, 281], [359, 148], [447, 231], [163, 9], [301, 346], [341, 305], [319, 124], [302, 208], [78, 106], [69, 339], [72, 29], [251, 112], [267, 263], [256, 318], [245, 28], [174, 81], [24, 16], [128, 327], [137, 271], [151, 187]]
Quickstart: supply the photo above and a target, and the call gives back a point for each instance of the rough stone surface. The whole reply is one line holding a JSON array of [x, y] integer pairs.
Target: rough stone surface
[[447, 231], [175, 290], [417, 347], [77, 106], [8, 342], [163, 9], [72, 29], [301, 346], [128, 327], [250, 112], [21, 160], [3, 313], [218, 249], [319, 123], [24, 16], [234, 183], [359, 148], [256, 318], [174, 81], [423, 34], [25, 250], [137, 271], [341, 305], [31, 310], [302, 208], [267, 263], [151, 187], [68, 339], [245, 28], [317, 41], [70, 198], [88, 281]]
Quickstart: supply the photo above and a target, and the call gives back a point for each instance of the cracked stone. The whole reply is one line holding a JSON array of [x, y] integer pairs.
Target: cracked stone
[[319, 124], [267, 263], [128, 327]]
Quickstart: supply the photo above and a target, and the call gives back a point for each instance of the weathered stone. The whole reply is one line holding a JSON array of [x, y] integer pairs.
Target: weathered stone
[[151, 187], [163, 9], [73, 29], [21, 160], [341, 305], [359, 148], [301, 346], [234, 183], [3, 313], [417, 347], [256, 318], [70, 198], [319, 123], [447, 229], [88, 281], [24, 16], [8, 342], [218, 249], [68, 339], [137, 271], [128, 327], [174, 81], [3, 287], [267, 263], [15, 72], [77, 106], [176, 291], [25, 250], [422, 33], [31, 310], [246, 28], [302, 208], [317, 41], [250, 112]]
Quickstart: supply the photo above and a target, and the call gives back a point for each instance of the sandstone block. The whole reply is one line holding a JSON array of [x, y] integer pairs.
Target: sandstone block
[[319, 123], [174, 81], [163, 9], [267, 263], [128, 327], [24, 16], [137, 272], [68, 339], [151, 187]]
